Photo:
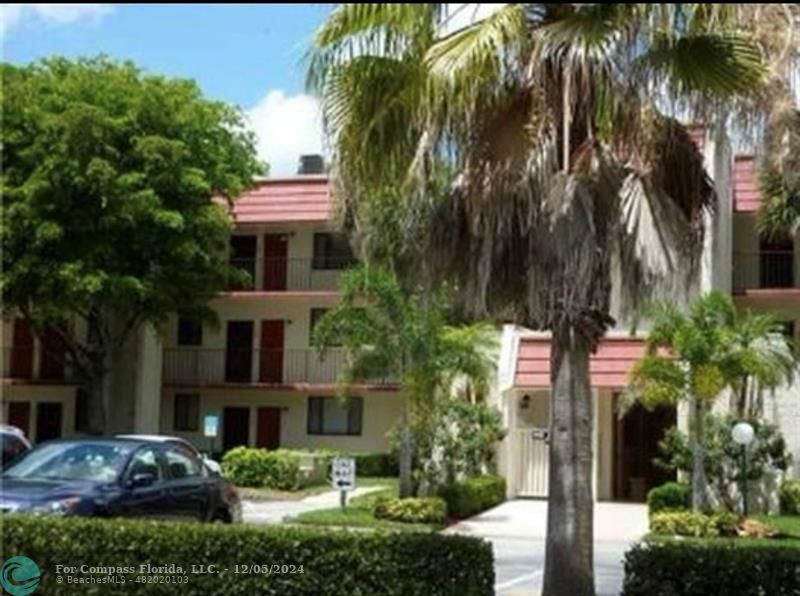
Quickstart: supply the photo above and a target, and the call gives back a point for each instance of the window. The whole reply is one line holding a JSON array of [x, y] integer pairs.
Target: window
[[316, 315], [331, 251], [243, 258], [181, 463], [190, 332], [144, 461], [187, 411], [329, 416]]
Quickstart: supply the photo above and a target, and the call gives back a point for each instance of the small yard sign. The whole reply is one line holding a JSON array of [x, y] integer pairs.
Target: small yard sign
[[343, 476], [210, 426]]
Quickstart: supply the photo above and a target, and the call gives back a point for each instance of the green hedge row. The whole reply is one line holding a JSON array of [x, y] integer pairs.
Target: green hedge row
[[470, 496], [334, 563], [712, 567], [246, 466], [692, 523], [370, 465]]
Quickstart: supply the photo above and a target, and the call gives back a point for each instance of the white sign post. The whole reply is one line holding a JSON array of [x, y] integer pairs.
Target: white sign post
[[343, 477]]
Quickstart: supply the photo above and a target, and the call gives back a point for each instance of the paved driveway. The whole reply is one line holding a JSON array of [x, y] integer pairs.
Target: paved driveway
[[517, 531]]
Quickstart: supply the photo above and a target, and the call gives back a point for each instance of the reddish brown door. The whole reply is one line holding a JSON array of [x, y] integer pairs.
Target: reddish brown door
[[271, 369], [19, 415], [22, 351], [52, 365], [269, 428], [275, 247]]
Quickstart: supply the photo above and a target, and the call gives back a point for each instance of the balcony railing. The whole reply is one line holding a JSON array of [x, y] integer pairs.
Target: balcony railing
[[290, 274], [765, 270], [34, 364], [244, 366]]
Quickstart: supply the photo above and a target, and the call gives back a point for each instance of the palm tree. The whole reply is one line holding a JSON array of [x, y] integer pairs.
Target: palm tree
[[694, 356], [388, 333], [780, 172], [563, 170]]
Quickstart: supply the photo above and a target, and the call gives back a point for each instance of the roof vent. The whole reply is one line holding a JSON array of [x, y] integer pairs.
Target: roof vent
[[311, 164]]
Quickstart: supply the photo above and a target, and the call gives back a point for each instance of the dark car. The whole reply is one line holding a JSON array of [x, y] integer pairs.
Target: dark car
[[119, 478]]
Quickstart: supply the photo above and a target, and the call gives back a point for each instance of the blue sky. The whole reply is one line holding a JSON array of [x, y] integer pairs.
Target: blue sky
[[250, 55]]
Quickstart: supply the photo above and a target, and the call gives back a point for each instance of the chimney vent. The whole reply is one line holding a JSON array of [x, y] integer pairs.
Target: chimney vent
[[311, 164]]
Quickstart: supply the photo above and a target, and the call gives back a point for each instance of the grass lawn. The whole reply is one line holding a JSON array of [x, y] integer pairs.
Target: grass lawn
[[788, 525], [358, 513]]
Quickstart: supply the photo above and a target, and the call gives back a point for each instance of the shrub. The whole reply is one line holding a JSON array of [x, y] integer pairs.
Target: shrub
[[334, 563], [719, 566], [431, 510], [470, 496], [246, 466], [671, 496], [789, 497], [370, 465], [690, 523]]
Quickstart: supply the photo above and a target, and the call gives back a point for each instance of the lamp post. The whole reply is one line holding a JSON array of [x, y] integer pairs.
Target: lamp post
[[743, 434]]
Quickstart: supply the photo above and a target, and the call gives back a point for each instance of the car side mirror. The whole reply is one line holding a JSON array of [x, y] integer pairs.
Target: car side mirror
[[142, 480]]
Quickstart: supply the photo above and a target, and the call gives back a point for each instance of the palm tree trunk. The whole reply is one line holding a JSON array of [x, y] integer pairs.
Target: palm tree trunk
[[699, 478], [405, 487], [569, 553]]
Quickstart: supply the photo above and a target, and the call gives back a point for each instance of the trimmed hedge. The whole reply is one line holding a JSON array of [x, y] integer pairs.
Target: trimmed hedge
[[691, 523], [371, 465], [789, 497], [429, 510], [334, 563], [470, 496], [251, 467], [712, 567], [670, 496]]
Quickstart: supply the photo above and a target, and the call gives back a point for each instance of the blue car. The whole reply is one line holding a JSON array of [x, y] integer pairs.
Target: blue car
[[117, 478]]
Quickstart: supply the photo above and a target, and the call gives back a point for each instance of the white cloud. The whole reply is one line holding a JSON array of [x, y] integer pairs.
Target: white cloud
[[58, 14], [286, 127]]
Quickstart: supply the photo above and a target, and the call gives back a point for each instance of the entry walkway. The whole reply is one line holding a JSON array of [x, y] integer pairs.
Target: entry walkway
[[274, 512], [517, 530]]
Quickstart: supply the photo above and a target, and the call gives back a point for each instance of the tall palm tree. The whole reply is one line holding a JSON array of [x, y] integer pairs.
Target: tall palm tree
[[389, 333], [695, 355], [564, 170]]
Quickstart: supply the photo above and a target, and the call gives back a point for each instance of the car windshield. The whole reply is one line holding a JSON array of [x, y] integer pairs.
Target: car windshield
[[98, 462]]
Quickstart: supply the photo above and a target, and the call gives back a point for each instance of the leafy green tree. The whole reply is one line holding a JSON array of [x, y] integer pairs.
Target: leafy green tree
[[694, 356], [563, 169], [109, 220], [389, 333], [779, 212]]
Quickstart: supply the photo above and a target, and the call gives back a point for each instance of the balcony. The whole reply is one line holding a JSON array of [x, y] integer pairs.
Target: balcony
[[765, 270], [23, 364], [183, 366], [291, 275]]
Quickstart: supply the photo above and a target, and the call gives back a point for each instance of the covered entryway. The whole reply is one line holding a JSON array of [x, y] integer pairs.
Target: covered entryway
[[636, 439], [235, 427]]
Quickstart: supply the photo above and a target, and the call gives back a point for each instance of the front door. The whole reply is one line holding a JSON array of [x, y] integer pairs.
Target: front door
[[275, 251], [532, 443], [636, 439], [269, 428], [19, 415], [22, 351], [53, 353], [271, 360], [48, 420], [235, 427], [239, 352]]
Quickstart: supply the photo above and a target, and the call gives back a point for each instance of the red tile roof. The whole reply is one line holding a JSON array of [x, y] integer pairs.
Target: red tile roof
[[746, 193], [284, 200], [609, 366]]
